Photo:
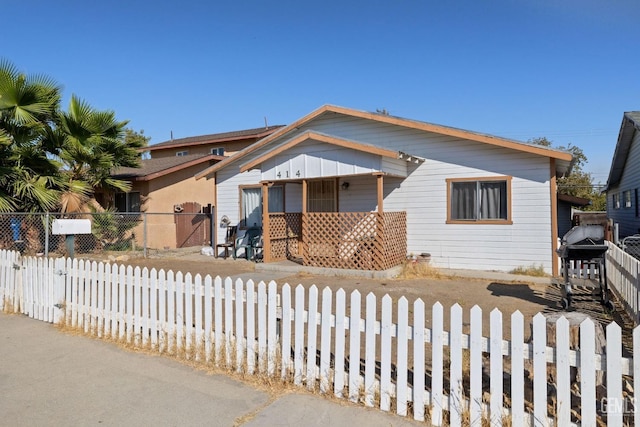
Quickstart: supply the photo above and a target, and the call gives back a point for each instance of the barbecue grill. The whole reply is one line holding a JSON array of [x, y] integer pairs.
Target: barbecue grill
[[585, 243]]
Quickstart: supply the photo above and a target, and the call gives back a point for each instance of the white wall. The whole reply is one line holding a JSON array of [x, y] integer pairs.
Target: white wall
[[228, 200]]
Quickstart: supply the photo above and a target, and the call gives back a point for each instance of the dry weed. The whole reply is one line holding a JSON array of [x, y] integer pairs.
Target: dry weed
[[415, 270], [8, 305]]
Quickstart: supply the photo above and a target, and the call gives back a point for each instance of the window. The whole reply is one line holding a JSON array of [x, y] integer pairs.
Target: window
[[627, 198], [251, 204], [615, 200], [218, 151], [321, 196], [182, 153], [127, 202], [486, 200]]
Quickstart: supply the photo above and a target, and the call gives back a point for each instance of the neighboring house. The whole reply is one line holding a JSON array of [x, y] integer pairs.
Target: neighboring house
[[164, 185], [220, 144], [345, 188], [624, 178]]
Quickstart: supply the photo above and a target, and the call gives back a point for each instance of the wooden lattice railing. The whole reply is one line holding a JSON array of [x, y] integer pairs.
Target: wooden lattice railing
[[348, 240], [354, 240], [394, 242], [285, 232]]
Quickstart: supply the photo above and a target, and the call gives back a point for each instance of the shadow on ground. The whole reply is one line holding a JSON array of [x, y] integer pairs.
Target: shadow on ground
[[524, 292]]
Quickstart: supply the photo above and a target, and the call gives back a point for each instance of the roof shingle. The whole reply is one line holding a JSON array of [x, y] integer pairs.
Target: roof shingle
[[161, 166], [214, 138]]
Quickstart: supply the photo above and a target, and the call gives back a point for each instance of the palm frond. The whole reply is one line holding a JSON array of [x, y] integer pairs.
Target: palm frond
[[117, 184]]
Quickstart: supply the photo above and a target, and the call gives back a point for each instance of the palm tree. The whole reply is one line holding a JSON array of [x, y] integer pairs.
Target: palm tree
[[91, 145], [28, 110], [51, 159]]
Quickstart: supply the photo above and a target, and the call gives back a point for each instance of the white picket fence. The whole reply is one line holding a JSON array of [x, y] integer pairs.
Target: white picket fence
[[623, 272], [323, 340]]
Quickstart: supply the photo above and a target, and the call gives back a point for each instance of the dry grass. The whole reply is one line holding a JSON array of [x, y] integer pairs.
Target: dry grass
[[416, 270], [532, 270], [8, 306]]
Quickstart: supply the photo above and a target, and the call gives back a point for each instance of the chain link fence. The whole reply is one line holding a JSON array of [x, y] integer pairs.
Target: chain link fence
[[631, 245], [111, 232]]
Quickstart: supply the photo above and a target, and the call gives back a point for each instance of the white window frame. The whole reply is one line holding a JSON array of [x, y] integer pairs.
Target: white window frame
[[219, 151], [626, 196], [182, 153]]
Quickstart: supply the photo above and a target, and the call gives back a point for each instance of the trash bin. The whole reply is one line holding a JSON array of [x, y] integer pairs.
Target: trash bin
[[15, 228]]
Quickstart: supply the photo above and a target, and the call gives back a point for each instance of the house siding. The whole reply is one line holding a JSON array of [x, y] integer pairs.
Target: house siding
[[628, 222], [228, 182], [564, 218], [314, 159], [468, 246], [423, 194]]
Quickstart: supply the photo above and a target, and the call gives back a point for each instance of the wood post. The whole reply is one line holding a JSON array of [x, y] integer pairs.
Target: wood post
[[303, 224], [553, 190], [378, 247], [266, 239]]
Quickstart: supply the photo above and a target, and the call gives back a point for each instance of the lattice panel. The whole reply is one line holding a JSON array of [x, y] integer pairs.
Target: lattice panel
[[395, 239], [340, 239], [284, 233], [348, 240]]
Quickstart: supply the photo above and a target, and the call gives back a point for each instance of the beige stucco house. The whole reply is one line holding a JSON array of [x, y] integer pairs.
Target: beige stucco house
[[164, 186]]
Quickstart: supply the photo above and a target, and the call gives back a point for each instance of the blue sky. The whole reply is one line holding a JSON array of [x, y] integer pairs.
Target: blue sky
[[520, 69]]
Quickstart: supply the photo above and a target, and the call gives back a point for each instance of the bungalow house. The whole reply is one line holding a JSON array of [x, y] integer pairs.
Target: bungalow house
[[344, 188], [165, 185], [623, 183]]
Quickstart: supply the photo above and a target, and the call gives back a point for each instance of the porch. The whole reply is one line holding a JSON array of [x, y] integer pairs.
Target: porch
[[345, 240], [306, 213]]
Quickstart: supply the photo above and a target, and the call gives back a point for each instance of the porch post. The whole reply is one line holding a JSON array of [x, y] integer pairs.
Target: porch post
[[266, 239], [303, 223], [553, 190], [380, 185], [379, 252]]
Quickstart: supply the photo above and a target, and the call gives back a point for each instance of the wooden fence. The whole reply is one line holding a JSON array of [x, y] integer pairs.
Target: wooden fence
[[623, 277], [324, 340], [623, 272]]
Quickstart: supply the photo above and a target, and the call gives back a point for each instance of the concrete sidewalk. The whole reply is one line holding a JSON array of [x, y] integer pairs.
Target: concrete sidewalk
[[51, 378]]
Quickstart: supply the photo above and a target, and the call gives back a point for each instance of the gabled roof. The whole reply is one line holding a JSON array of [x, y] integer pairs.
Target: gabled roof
[[214, 138], [630, 125], [155, 168], [320, 137], [563, 158]]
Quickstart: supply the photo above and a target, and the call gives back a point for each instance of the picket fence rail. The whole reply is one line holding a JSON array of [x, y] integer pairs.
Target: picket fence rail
[[322, 341]]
